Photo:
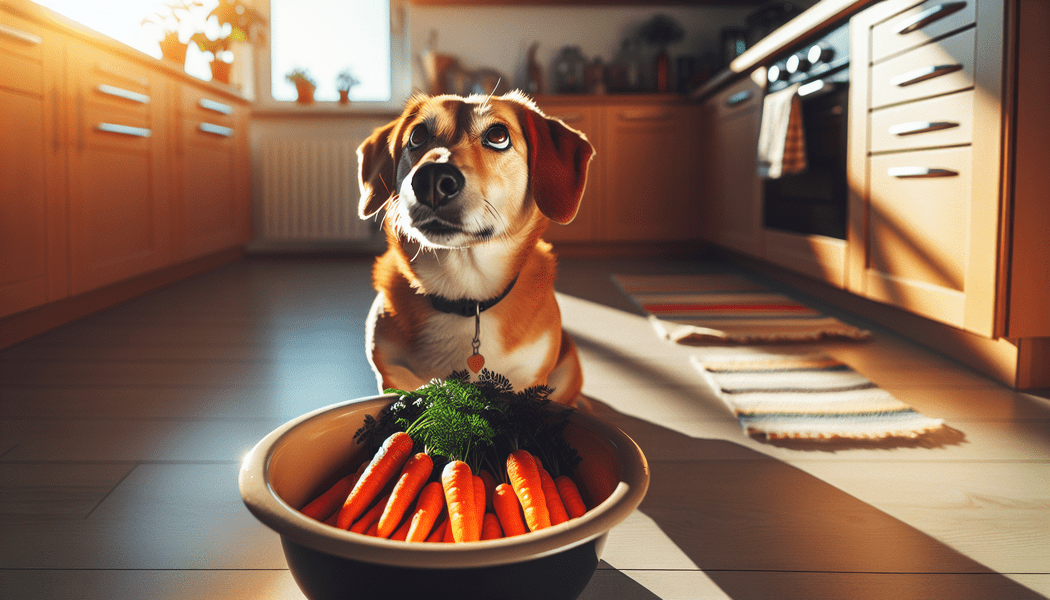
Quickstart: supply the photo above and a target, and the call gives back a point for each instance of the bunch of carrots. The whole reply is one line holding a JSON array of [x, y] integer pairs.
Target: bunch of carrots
[[431, 478]]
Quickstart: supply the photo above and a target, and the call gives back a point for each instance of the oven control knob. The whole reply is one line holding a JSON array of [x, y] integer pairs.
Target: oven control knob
[[797, 64], [819, 53], [776, 73]]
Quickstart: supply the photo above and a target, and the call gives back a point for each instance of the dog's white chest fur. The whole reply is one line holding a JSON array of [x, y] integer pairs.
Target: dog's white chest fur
[[447, 342]]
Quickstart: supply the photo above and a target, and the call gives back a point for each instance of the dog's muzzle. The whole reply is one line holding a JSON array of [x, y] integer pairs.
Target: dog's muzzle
[[437, 184]]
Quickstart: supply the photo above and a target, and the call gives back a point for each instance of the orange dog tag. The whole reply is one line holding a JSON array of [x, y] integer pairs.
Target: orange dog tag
[[475, 362]]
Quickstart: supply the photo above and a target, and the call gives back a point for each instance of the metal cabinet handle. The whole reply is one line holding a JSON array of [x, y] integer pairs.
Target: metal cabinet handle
[[919, 172], [112, 90], [22, 36], [934, 13], [923, 74], [216, 129], [124, 130], [219, 107], [921, 127], [646, 115], [739, 98]]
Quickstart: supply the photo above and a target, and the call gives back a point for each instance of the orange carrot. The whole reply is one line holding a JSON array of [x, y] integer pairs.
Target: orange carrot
[[428, 508], [490, 485], [447, 538], [570, 495], [438, 534], [491, 529], [458, 484], [555, 506], [525, 479], [414, 476], [371, 517], [373, 530], [384, 466], [479, 502], [402, 532], [326, 504], [508, 509]]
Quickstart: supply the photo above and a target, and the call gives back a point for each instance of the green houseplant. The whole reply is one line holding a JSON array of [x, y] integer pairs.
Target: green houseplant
[[304, 85], [238, 22]]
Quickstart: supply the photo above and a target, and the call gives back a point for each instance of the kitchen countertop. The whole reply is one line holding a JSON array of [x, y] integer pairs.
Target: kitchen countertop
[[797, 30]]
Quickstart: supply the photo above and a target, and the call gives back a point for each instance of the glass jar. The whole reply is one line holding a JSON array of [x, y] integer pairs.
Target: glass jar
[[570, 71]]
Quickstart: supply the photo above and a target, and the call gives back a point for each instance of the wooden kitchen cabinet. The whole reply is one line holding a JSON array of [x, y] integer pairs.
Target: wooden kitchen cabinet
[[731, 192], [926, 131], [652, 157], [118, 182], [642, 185], [32, 213], [213, 179], [587, 119]]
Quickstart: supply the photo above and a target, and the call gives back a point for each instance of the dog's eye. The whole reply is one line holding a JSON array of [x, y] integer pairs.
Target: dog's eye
[[418, 137], [497, 138]]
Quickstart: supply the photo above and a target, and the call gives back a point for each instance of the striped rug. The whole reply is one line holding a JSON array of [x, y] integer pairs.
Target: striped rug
[[813, 397], [694, 309]]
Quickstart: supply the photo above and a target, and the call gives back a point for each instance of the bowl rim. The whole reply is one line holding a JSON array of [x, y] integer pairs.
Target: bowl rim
[[264, 503]]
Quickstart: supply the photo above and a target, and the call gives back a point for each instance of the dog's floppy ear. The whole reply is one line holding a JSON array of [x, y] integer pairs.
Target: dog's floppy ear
[[376, 172], [558, 161]]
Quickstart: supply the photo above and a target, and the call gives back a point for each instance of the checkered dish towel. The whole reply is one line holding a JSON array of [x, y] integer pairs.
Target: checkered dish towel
[[781, 139], [813, 397]]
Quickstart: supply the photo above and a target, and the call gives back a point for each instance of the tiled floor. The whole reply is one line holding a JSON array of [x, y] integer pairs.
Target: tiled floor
[[120, 437]]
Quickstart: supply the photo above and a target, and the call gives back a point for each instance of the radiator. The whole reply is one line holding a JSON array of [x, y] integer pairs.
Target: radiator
[[309, 192]]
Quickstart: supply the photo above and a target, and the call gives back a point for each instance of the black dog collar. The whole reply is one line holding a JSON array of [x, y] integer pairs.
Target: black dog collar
[[467, 307]]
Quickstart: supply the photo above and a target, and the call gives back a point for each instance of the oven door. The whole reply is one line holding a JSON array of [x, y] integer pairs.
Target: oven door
[[814, 202]]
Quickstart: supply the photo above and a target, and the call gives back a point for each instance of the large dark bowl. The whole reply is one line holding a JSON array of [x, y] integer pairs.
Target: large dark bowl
[[295, 462]]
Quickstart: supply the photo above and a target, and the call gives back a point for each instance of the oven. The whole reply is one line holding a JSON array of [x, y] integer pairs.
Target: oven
[[814, 201]]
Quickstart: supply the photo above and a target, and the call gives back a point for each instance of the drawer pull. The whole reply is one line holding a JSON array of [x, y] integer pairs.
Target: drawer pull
[[112, 90], [934, 13], [219, 107], [919, 75], [22, 36], [919, 172], [216, 129], [739, 98], [646, 115], [124, 130], [921, 127]]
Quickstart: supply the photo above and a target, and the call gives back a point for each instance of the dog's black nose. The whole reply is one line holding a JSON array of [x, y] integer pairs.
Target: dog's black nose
[[437, 183]]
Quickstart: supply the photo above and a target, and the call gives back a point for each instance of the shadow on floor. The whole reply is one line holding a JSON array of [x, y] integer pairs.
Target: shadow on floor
[[761, 528]]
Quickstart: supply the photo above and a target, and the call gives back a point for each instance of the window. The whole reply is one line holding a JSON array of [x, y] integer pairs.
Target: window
[[326, 37]]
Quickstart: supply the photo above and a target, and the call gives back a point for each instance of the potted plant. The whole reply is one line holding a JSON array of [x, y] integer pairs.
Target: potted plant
[[344, 82], [169, 20], [304, 85], [238, 22]]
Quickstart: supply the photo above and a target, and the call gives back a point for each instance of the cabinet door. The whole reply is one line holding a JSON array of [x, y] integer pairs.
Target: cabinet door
[[119, 219], [32, 215], [586, 226], [653, 158], [731, 191], [214, 208]]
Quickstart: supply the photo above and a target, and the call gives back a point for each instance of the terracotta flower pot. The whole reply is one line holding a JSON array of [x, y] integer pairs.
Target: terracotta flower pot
[[172, 49], [220, 71], [305, 89], [344, 96]]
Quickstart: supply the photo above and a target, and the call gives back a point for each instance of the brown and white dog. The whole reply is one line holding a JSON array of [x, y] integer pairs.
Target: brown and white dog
[[469, 185]]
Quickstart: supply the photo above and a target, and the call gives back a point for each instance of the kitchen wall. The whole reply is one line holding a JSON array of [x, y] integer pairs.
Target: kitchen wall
[[499, 37]]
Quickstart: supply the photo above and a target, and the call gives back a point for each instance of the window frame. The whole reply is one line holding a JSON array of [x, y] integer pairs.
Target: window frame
[[400, 74]]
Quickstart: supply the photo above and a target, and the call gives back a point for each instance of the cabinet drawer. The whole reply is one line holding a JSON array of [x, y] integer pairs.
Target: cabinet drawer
[[199, 105], [115, 81], [109, 126], [196, 131], [914, 27], [21, 54], [931, 70], [943, 121], [920, 213], [738, 98]]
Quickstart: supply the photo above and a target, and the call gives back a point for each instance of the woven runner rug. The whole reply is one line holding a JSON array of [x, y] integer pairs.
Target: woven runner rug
[[698, 309], [813, 397]]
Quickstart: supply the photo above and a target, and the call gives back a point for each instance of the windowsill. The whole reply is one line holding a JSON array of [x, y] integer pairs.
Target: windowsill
[[325, 109]]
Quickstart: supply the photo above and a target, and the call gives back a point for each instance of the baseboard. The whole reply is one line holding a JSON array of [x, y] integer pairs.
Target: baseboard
[[30, 323]]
